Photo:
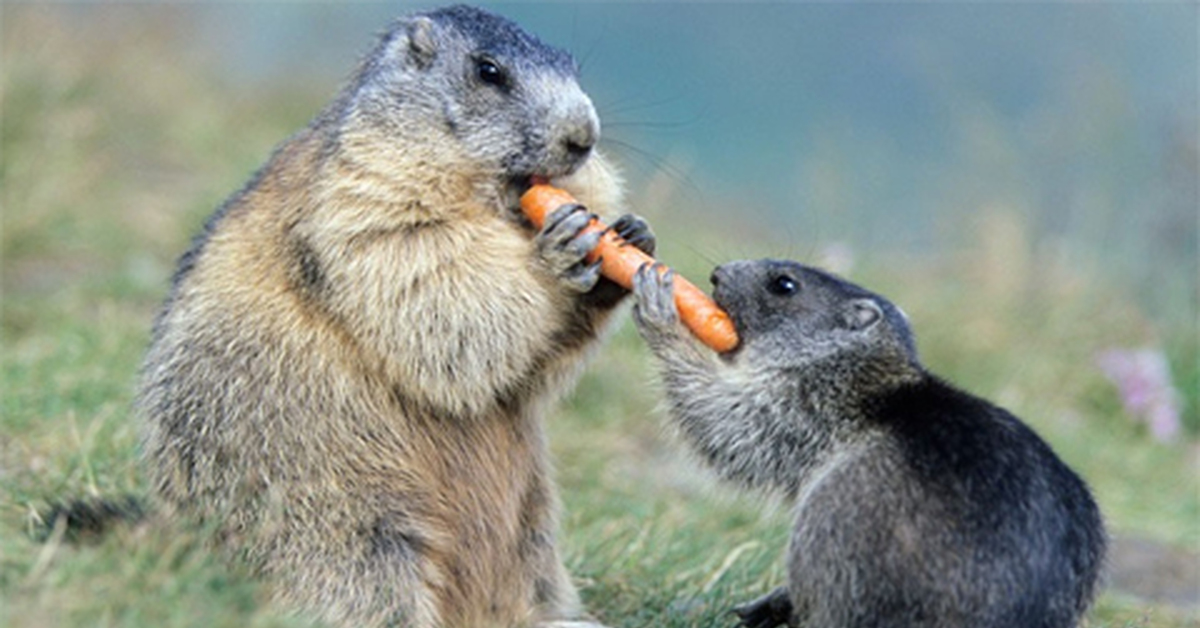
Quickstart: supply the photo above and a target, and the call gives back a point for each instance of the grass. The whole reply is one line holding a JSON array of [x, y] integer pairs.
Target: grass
[[111, 159]]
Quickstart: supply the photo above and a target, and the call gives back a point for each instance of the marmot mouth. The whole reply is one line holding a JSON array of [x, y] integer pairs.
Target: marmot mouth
[[720, 297], [515, 186], [521, 182]]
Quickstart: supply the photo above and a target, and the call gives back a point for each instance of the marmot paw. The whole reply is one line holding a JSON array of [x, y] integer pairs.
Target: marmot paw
[[563, 246], [636, 231], [655, 313], [771, 610]]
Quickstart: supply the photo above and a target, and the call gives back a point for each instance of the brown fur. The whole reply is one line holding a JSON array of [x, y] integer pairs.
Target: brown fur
[[350, 376]]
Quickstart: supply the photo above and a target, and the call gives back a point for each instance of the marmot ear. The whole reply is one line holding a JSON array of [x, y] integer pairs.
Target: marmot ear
[[421, 44], [862, 314]]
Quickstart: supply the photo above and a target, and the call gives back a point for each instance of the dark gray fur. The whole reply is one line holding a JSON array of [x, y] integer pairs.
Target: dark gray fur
[[917, 504]]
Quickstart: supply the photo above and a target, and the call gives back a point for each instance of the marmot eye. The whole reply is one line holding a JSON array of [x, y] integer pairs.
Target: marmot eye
[[490, 72], [783, 286]]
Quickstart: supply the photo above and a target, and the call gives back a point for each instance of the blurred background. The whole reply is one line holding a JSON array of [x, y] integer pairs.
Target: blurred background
[[1021, 178]]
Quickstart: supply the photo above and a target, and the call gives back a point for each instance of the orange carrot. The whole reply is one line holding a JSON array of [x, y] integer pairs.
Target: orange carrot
[[619, 262]]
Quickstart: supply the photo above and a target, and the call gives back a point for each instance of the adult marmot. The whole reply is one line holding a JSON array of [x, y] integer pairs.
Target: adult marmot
[[349, 377], [917, 504]]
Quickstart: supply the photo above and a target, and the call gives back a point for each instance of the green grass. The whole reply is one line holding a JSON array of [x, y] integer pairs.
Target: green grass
[[112, 157]]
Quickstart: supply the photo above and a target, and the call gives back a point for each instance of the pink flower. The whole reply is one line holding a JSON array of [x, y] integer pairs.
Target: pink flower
[[1143, 380]]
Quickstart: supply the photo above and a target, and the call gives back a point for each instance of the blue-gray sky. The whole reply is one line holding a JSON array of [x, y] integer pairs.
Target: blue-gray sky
[[874, 123], [896, 98]]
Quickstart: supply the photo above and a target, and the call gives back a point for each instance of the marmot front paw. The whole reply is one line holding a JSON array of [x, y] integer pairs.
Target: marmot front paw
[[655, 313], [563, 246], [635, 231]]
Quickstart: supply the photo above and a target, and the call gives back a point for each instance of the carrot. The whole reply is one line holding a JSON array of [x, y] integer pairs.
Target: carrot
[[619, 262]]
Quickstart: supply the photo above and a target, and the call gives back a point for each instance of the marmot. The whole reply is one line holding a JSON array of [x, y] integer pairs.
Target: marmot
[[349, 376], [916, 504]]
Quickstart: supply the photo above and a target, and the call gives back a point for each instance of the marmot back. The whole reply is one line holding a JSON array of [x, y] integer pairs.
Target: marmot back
[[349, 376], [917, 504]]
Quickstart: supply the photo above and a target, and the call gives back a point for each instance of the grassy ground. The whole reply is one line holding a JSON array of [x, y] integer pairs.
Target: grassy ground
[[110, 161]]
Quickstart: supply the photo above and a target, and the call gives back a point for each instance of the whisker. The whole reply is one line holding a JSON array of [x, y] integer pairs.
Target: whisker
[[646, 124], [657, 163], [586, 57], [626, 105]]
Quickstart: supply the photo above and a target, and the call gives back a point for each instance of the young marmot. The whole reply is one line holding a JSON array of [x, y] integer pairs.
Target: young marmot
[[917, 504], [349, 377]]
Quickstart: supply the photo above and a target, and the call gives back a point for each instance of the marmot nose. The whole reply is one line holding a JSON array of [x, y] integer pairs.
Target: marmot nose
[[580, 139], [574, 128], [729, 271]]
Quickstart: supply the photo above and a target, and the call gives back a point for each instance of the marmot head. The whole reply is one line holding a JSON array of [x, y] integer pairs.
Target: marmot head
[[791, 316], [511, 104]]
